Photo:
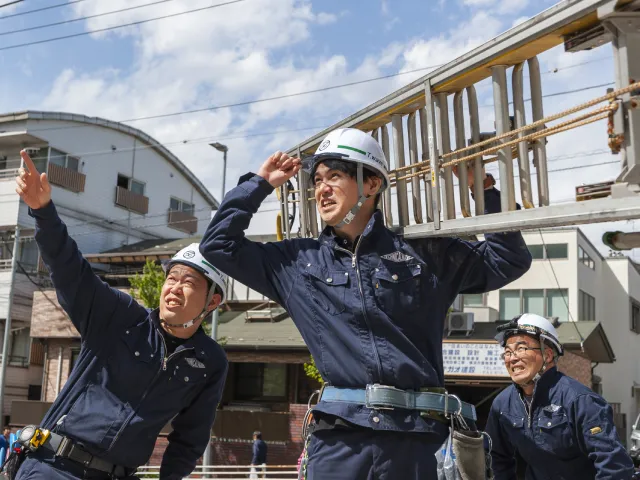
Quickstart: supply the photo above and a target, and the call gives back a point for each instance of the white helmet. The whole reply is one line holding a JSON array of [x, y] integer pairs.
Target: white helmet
[[191, 257], [351, 145], [530, 324]]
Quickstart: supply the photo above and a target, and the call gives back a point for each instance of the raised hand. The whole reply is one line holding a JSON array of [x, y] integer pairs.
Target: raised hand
[[33, 187], [279, 168]]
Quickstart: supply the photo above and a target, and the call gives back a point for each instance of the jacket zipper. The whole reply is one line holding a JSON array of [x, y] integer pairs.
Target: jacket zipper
[[354, 264], [163, 368]]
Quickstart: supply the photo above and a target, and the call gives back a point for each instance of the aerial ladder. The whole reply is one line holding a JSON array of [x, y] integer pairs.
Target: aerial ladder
[[414, 128]]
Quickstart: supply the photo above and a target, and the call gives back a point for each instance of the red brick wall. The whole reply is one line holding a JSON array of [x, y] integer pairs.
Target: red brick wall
[[576, 366]]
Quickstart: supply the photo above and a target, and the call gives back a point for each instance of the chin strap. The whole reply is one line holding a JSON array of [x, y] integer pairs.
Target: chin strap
[[191, 323], [351, 214]]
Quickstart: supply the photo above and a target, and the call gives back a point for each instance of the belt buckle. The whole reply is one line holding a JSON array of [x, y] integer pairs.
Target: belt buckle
[[379, 406], [446, 412]]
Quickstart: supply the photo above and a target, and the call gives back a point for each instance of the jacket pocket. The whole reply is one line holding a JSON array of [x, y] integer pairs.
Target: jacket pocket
[[554, 432], [398, 288], [327, 288], [96, 417]]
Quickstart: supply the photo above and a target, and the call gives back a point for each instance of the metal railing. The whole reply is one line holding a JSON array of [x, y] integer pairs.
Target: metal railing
[[229, 472], [5, 264], [8, 173], [66, 178], [132, 201], [414, 130]]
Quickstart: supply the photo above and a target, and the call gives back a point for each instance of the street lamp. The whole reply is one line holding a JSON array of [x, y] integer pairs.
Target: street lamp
[[224, 149], [207, 459]]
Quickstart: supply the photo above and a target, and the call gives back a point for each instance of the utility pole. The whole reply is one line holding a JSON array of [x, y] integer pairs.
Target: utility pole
[[7, 323]]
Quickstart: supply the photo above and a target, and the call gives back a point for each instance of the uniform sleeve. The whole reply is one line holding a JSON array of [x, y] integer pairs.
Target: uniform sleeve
[[83, 296], [192, 429], [503, 455], [598, 438], [477, 267], [254, 458], [269, 268]]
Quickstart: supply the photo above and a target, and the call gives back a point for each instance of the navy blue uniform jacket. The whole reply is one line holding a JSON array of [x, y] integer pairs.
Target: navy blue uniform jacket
[[569, 434], [373, 316], [124, 387]]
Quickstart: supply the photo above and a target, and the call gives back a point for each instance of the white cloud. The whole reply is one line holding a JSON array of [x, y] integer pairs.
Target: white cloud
[[479, 3], [242, 53]]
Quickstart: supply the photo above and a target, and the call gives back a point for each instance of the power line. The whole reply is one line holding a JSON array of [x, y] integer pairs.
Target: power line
[[308, 92], [38, 27], [249, 135], [58, 5], [99, 30]]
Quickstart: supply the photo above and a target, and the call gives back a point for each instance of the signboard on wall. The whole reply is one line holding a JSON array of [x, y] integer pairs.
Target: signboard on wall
[[474, 359]]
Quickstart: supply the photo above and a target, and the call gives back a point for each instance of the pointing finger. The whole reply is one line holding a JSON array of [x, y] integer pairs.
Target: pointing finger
[[27, 160]]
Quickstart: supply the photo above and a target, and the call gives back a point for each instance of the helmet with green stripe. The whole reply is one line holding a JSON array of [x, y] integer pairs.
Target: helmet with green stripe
[[191, 257], [356, 146]]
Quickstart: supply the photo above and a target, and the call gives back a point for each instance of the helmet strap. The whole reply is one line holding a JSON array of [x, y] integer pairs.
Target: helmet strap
[[351, 214], [202, 314]]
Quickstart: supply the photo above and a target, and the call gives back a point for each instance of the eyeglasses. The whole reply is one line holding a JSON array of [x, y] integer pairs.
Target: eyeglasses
[[518, 353]]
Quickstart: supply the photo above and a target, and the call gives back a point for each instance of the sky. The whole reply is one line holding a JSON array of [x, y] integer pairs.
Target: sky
[[220, 53]]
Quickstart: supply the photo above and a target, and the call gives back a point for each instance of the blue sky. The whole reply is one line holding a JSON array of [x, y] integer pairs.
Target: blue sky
[[262, 48]]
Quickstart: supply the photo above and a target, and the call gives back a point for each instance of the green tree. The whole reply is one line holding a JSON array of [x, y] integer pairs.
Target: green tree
[[146, 288], [312, 372]]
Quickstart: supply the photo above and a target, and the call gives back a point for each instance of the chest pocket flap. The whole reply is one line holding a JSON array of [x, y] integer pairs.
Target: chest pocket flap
[[398, 288], [327, 287], [549, 422], [138, 345]]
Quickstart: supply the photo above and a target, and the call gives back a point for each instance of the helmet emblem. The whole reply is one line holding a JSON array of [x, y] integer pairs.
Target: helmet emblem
[[189, 254], [324, 145]]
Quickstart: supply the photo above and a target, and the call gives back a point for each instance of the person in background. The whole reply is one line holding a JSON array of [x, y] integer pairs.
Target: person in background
[[4, 444], [557, 426], [259, 459]]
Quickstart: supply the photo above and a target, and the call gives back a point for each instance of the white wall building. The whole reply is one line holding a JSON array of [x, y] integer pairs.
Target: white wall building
[[569, 279], [112, 184]]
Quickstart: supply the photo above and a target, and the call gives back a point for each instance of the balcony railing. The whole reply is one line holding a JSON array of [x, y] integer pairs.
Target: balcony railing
[[66, 178], [16, 360], [132, 201], [8, 173], [182, 221], [5, 264]]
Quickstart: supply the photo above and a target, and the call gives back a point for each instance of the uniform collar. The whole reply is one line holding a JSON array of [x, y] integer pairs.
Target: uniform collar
[[197, 341], [547, 380], [374, 225]]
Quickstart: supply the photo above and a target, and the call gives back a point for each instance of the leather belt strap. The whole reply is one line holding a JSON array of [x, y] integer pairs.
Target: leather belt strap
[[383, 397], [66, 448]]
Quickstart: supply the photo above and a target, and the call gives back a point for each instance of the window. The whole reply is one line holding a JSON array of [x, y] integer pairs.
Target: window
[[473, 299], [261, 381], [557, 250], [181, 206], [533, 301], [553, 251], [131, 184], [537, 252], [635, 317], [585, 259], [510, 305], [75, 353], [557, 301], [547, 303], [586, 307], [137, 187], [20, 343], [28, 252], [64, 160], [34, 392]]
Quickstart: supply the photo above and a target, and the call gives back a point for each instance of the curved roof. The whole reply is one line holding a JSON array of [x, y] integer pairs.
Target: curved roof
[[120, 127]]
